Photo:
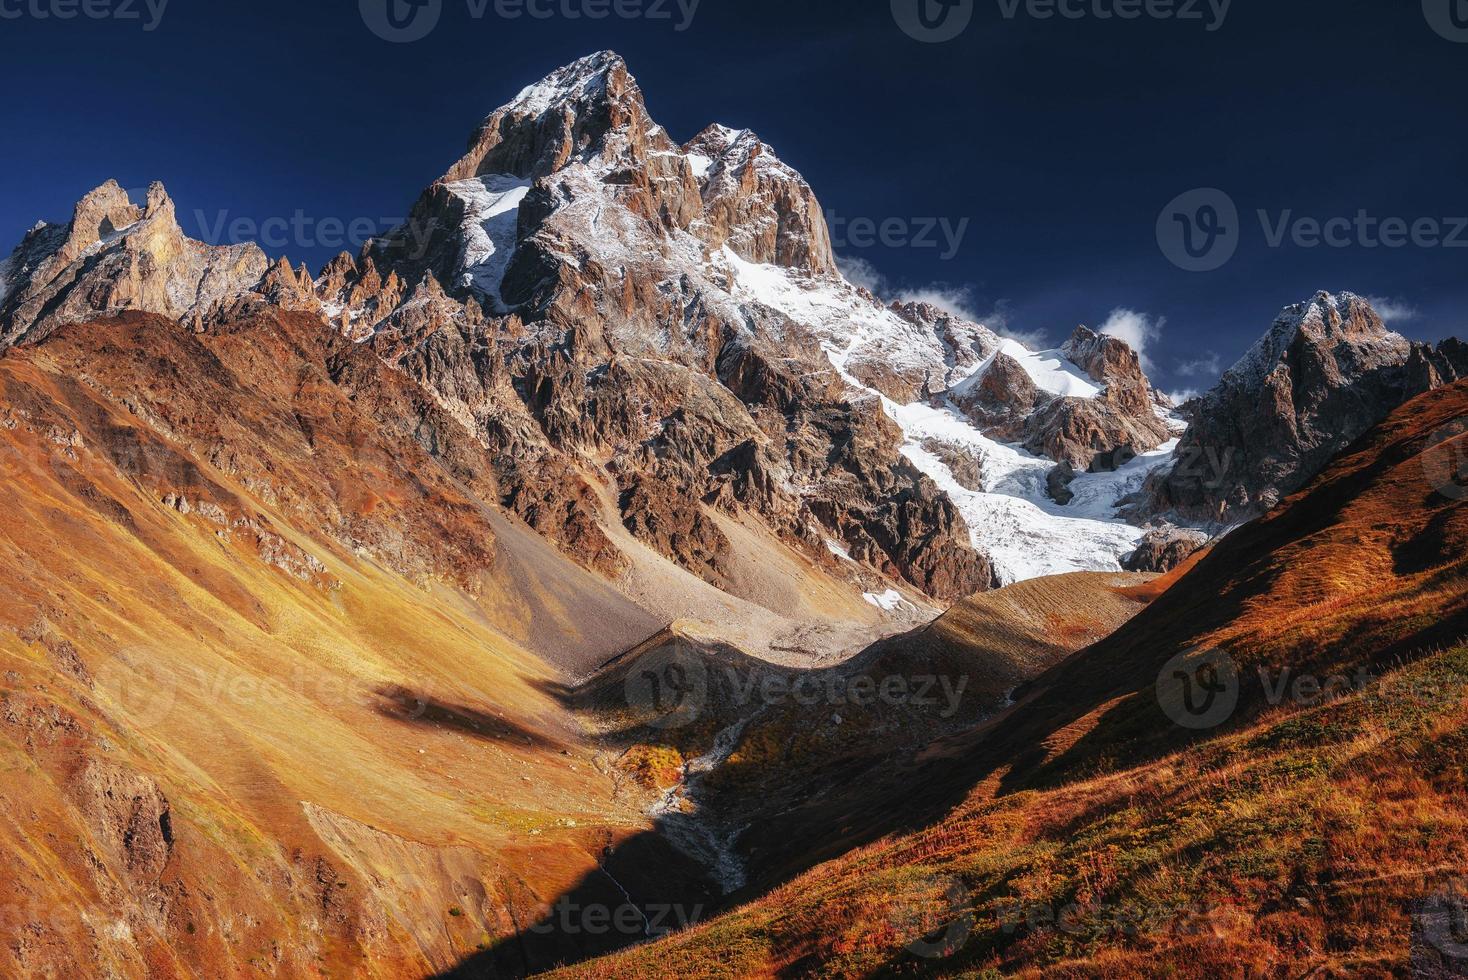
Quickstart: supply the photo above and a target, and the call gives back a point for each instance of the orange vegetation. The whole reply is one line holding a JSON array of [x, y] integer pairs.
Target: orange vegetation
[[1091, 835]]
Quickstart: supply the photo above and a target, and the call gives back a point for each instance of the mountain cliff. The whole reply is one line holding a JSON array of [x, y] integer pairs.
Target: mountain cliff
[[1325, 372], [329, 596], [611, 313]]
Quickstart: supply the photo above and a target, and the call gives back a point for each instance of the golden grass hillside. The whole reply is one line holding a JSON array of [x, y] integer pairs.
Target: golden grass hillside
[[273, 681], [1321, 832]]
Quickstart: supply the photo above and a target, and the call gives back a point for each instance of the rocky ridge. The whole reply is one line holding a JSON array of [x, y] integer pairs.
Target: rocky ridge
[[113, 256], [651, 338], [1327, 371], [624, 368]]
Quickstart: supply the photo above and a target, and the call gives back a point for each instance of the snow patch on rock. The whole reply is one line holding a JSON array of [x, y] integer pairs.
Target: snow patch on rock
[[491, 222], [1012, 519], [889, 601], [1050, 370], [853, 328]]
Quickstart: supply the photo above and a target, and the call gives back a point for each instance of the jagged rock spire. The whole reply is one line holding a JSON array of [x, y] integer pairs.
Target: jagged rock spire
[[114, 256], [592, 107]]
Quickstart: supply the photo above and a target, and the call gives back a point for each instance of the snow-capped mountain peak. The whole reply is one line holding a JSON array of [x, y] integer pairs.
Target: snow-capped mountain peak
[[1325, 316], [608, 266], [574, 85], [591, 111]]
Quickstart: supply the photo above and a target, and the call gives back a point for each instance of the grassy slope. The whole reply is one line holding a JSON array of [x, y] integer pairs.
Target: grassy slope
[[1292, 839], [363, 771], [1001, 639], [794, 765]]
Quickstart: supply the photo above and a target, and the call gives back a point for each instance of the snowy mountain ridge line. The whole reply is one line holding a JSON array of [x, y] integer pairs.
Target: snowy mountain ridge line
[[575, 235]]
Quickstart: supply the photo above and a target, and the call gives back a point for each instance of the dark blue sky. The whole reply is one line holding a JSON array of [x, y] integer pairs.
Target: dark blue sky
[[1060, 140]]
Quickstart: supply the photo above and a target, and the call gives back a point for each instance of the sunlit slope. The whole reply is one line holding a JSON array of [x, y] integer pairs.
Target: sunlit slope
[[1303, 833], [1003, 638], [266, 703]]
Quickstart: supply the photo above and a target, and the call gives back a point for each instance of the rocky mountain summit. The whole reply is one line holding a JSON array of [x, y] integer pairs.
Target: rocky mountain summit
[[459, 514], [1327, 371], [652, 339], [115, 255], [566, 293], [1083, 426]]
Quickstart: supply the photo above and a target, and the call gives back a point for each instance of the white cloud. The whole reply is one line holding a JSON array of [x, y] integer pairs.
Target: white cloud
[[955, 300], [1186, 395], [1207, 366], [860, 272], [1393, 310], [1138, 330], [960, 303]]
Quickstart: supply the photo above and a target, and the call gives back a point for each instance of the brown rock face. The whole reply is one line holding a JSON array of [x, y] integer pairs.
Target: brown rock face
[[1085, 433], [760, 208], [114, 256], [676, 527], [1058, 481], [1163, 550], [961, 462], [1003, 400], [1327, 371], [129, 815], [1091, 434], [1115, 366]]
